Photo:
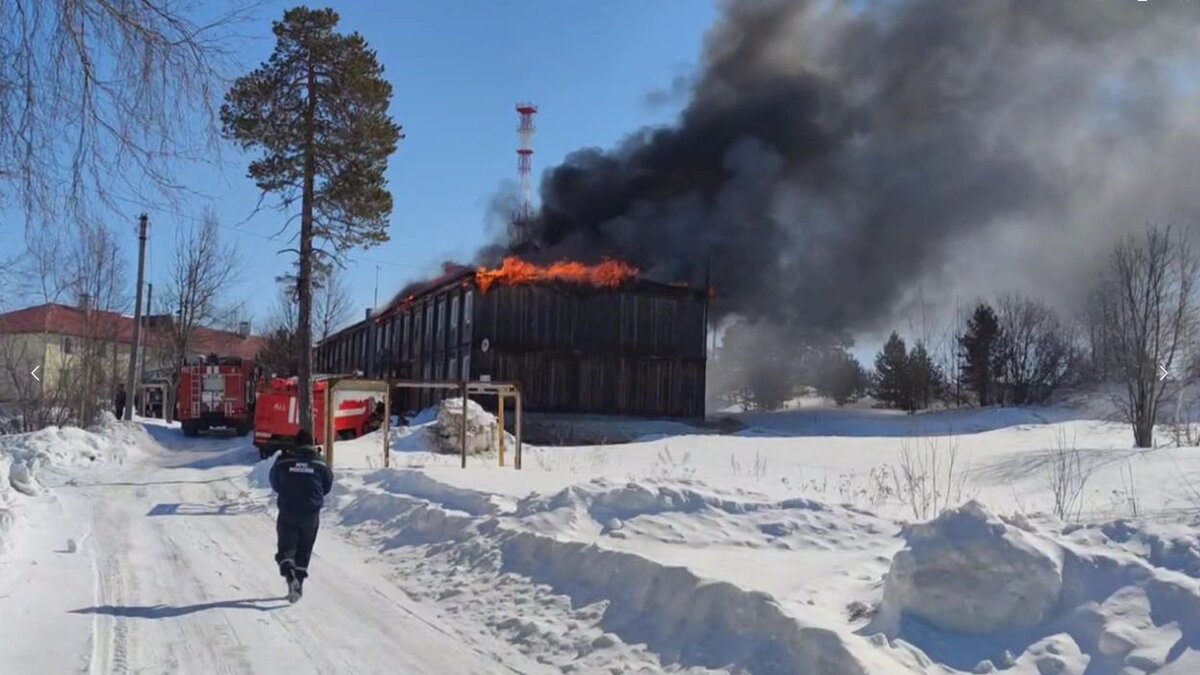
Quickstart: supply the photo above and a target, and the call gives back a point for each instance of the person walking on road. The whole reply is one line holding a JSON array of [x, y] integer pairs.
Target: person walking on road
[[119, 402], [302, 479]]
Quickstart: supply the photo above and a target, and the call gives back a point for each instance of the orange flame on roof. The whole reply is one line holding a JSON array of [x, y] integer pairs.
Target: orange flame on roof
[[514, 271]]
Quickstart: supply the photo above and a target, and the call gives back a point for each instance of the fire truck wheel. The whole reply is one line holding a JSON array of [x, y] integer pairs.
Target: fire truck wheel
[[189, 429]]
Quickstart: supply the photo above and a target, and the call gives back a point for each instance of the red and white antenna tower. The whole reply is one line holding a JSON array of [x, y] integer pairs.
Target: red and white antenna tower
[[525, 130]]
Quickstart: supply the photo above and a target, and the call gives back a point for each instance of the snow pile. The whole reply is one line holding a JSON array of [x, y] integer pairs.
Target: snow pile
[[684, 576], [7, 515], [482, 428], [24, 456], [427, 439], [260, 475], [1173, 546], [530, 573], [970, 572], [775, 549], [976, 593]]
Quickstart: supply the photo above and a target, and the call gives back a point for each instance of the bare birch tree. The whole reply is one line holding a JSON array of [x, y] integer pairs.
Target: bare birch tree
[[101, 285], [100, 100], [197, 293], [1151, 283], [332, 304], [278, 356], [1035, 350], [87, 267], [1096, 322]]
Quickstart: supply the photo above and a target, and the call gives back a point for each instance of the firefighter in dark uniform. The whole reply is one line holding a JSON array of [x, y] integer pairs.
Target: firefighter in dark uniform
[[302, 479], [119, 402]]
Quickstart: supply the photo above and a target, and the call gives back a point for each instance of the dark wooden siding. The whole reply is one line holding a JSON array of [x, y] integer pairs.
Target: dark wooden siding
[[595, 351], [635, 351], [599, 383], [634, 324]]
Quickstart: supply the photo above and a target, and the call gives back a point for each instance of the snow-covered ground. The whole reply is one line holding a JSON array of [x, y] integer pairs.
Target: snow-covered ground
[[163, 563], [771, 549], [812, 541]]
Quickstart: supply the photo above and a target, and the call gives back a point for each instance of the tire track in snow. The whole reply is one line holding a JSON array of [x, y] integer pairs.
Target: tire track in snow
[[277, 618], [201, 641], [173, 551], [110, 639]]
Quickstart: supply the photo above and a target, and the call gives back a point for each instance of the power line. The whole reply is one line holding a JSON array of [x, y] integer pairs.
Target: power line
[[432, 268]]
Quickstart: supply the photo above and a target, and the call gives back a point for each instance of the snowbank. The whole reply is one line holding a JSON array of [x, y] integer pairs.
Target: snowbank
[[683, 575], [24, 456], [787, 547], [967, 571], [975, 593], [260, 475], [629, 607]]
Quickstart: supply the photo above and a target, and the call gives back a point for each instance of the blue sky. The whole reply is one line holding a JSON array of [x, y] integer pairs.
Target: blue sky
[[458, 67]]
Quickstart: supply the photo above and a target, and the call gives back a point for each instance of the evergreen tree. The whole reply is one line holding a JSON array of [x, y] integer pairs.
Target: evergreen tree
[[840, 377], [980, 354], [318, 112], [278, 357], [925, 379], [891, 374], [771, 384], [756, 366]]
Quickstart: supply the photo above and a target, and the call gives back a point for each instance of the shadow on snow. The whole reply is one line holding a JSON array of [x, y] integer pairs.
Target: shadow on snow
[[170, 612], [223, 509], [858, 423]]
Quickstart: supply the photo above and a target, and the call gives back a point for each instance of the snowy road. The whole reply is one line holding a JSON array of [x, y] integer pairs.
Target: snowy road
[[173, 573]]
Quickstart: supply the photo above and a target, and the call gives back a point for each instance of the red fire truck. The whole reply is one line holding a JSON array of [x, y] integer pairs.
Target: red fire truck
[[215, 392], [277, 415]]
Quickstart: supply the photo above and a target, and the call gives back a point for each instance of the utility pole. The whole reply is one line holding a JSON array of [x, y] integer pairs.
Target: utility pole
[[145, 333], [143, 221]]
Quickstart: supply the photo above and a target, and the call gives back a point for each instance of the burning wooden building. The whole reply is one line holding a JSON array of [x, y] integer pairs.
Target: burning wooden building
[[578, 338]]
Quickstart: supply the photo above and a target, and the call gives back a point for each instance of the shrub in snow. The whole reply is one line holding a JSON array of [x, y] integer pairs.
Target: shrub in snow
[[482, 428], [969, 572]]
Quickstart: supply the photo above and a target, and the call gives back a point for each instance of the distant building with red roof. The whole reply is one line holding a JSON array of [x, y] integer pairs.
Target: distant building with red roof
[[53, 337]]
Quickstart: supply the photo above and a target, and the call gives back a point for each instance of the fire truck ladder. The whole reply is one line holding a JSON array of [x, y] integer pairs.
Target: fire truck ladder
[[228, 406], [197, 388]]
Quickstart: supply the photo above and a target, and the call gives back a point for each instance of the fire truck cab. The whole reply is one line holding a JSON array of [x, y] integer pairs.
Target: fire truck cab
[[215, 392], [277, 415]]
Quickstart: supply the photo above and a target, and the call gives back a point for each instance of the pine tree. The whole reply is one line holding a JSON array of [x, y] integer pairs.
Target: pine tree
[[318, 112], [979, 352], [926, 381], [840, 377], [278, 357], [891, 374]]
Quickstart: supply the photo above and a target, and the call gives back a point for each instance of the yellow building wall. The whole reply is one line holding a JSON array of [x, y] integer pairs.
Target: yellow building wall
[[62, 359]]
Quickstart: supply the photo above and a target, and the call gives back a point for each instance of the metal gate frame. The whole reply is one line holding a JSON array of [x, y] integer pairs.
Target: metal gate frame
[[335, 384], [501, 390]]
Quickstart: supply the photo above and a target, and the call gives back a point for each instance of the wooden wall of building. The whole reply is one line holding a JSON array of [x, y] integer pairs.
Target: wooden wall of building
[[633, 351]]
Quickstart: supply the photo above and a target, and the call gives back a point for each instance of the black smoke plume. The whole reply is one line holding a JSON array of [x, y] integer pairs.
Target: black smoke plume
[[834, 157]]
